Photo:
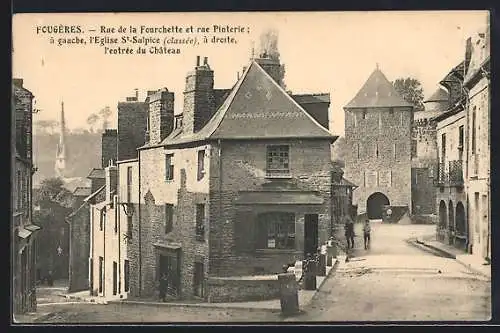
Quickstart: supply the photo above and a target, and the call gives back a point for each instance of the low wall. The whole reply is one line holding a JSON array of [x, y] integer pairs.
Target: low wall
[[424, 219], [242, 288]]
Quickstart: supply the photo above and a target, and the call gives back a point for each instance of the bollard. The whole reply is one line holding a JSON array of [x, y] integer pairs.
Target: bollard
[[322, 265], [289, 295]]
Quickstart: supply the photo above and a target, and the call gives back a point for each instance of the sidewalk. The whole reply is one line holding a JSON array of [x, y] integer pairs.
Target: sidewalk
[[305, 298], [470, 261]]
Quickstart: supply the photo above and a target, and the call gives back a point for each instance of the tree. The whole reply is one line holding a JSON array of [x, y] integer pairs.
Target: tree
[[50, 189], [339, 152], [411, 90], [45, 126], [105, 113], [91, 120]]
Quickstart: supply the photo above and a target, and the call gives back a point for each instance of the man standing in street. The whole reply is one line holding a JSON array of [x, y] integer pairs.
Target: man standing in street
[[349, 232], [366, 233]]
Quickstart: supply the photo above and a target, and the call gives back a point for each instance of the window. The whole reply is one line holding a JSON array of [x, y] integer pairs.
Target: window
[[278, 161], [473, 136], [401, 118], [129, 183], [169, 167], [357, 149], [391, 111], [201, 164], [130, 227], [355, 118], [115, 277], [19, 190], [101, 274], [276, 230], [200, 221], [126, 275], [461, 137], [364, 113], [116, 224], [169, 217], [102, 219], [394, 146], [376, 150], [443, 147]]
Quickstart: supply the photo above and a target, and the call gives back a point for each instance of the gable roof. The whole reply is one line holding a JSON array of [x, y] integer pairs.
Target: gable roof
[[377, 91], [440, 95], [96, 173], [93, 195], [257, 107]]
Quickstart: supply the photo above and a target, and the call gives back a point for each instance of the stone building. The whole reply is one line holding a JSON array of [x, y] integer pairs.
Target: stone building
[[424, 159], [451, 199], [478, 143], [107, 250], [235, 189], [23, 231], [378, 123]]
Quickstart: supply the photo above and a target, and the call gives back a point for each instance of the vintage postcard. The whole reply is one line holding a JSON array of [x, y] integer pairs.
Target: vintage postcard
[[251, 167]]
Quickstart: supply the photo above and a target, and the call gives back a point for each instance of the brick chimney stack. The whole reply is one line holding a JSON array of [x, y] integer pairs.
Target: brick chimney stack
[[199, 99], [111, 176]]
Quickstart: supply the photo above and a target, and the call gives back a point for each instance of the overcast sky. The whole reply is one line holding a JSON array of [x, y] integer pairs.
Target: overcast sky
[[331, 52]]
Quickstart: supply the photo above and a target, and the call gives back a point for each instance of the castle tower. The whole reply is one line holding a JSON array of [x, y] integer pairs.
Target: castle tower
[[60, 166], [378, 135]]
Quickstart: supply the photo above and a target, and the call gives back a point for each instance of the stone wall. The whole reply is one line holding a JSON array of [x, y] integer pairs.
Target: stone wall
[[243, 289], [132, 121], [161, 115], [379, 154], [79, 250], [244, 169]]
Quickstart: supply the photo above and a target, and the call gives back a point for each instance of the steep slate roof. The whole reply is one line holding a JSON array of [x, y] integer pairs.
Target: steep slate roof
[[440, 95], [96, 173], [377, 92], [311, 98], [257, 107]]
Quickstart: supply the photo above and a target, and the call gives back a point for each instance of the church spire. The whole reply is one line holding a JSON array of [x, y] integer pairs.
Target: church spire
[[61, 146]]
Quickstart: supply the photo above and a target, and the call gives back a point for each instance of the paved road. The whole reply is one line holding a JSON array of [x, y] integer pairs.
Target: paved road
[[85, 313], [394, 281]]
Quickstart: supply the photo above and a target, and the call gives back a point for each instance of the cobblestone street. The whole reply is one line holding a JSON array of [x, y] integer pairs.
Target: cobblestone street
[[393, 281]]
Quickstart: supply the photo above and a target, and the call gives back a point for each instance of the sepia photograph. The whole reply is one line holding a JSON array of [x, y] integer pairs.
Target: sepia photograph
[[250, 167]]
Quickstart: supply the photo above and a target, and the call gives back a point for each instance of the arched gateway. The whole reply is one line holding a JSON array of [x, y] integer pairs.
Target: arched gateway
[[375, 205]]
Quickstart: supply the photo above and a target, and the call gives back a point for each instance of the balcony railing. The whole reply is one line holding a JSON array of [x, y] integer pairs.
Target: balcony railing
[[452, 175]]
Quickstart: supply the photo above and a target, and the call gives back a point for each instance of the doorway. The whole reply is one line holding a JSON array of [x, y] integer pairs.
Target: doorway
[[199, 277], [310, 234], [375, 205], [169, 265]]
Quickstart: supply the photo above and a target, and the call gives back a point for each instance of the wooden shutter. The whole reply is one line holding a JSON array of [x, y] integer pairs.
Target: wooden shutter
[[244, 231]]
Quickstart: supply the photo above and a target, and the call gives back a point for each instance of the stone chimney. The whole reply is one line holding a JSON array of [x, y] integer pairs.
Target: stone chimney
[[199, 99], [111, 176], [109, 147], [132, 122], [272, 67], [160, 115]]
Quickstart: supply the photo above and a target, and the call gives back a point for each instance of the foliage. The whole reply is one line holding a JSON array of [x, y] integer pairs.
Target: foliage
[[411, 90], [50, 188], [339, 152]]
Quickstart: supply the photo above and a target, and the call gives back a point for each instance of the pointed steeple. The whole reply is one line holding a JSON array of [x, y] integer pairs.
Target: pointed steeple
[[60, 165], [377, 91]]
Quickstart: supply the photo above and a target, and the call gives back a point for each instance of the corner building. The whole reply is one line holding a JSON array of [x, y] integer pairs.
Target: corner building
[[240, 188]]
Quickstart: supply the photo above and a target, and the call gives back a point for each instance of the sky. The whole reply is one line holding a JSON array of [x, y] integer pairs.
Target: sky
[[323, 52]]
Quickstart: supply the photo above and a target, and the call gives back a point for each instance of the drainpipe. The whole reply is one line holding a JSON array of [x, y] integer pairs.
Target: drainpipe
[[104, 252], [140, 223], [466, 143], [220, 179], [118, 217]]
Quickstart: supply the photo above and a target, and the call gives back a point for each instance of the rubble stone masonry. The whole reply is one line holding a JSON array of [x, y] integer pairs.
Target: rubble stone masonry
[[379, 154]]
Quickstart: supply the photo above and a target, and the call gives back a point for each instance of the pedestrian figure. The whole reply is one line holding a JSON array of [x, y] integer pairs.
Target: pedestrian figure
[[163, 287], [349, 232], [366, 233], [50, 279]]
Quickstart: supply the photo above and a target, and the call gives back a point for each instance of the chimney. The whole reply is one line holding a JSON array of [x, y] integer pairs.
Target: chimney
[[468, 55], [111, 176], [199, 99], [136, 94], [197, 61], [109, 147], [160, 115], [205, 61], [18, 82]]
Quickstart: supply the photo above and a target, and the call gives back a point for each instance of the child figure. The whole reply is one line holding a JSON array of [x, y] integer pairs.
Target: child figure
[[366, 233]]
